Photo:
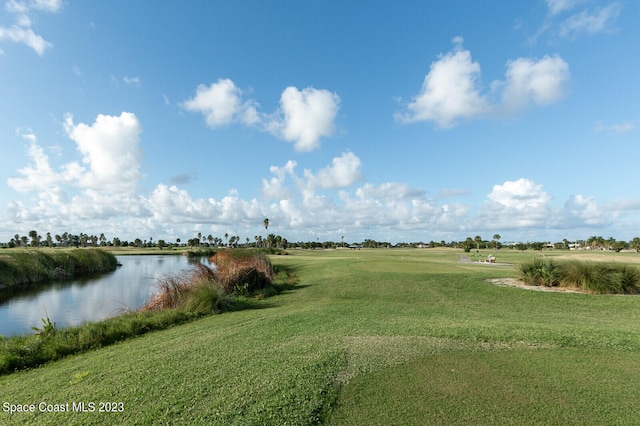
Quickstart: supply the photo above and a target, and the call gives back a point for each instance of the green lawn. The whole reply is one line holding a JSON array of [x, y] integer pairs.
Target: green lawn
[[367, 337]]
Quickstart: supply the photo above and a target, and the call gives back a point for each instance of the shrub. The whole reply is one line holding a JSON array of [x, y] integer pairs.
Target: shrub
[[539, 272], [602, 278], [204, 298], [242, 270], [593, 277], [629, 277]]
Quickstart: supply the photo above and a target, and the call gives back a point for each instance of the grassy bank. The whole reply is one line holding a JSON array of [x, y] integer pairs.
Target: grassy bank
[[241, 276], [26, 267], [366, 337]]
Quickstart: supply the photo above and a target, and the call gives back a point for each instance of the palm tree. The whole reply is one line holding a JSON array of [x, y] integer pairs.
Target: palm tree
[[35, 238], [477, 240], [496, 239], [595, 242], [468, 243]]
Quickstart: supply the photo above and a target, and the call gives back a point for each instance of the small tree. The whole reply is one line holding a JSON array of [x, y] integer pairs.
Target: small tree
[[35, 239], [477, 240], [496, 241], [467, 244]]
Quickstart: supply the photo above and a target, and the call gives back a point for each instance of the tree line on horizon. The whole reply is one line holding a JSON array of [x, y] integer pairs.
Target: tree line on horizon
[[66, 239]]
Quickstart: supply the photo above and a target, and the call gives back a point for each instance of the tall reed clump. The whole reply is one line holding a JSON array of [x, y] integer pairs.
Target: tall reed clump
[[205, 290], [600, 277], [592, 277], [194, 291], [242, 270], [32, 266]]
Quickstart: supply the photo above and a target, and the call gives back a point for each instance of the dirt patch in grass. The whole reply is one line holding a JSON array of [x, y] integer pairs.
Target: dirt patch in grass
[[512, 282]]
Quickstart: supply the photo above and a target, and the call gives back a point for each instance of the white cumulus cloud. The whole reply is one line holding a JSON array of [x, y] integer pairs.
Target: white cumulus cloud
[[449, 91], [306, 116], [110, 154], [37, 176], [535, 82], [221, 104], [452, 89], [274, 188], [344, 171], [110, 148], [516, 204], [585, 211]]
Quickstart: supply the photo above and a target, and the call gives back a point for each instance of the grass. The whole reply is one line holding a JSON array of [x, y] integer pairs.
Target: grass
[[592, 277], [366, 337], [50, 343], [505, 388], [23, 267]]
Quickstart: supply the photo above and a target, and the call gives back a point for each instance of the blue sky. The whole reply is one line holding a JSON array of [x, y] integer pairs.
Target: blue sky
[[395, 121]]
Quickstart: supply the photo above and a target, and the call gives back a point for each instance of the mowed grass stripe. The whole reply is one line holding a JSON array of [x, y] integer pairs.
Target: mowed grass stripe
[[546, 386]]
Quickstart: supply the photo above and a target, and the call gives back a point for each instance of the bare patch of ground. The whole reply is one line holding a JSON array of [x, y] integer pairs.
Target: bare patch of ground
[[512, 282]]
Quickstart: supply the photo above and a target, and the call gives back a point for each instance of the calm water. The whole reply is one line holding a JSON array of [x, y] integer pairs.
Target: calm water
[[72, 302]]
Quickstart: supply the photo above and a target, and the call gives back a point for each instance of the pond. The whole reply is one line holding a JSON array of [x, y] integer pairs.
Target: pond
[[75, 301]]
